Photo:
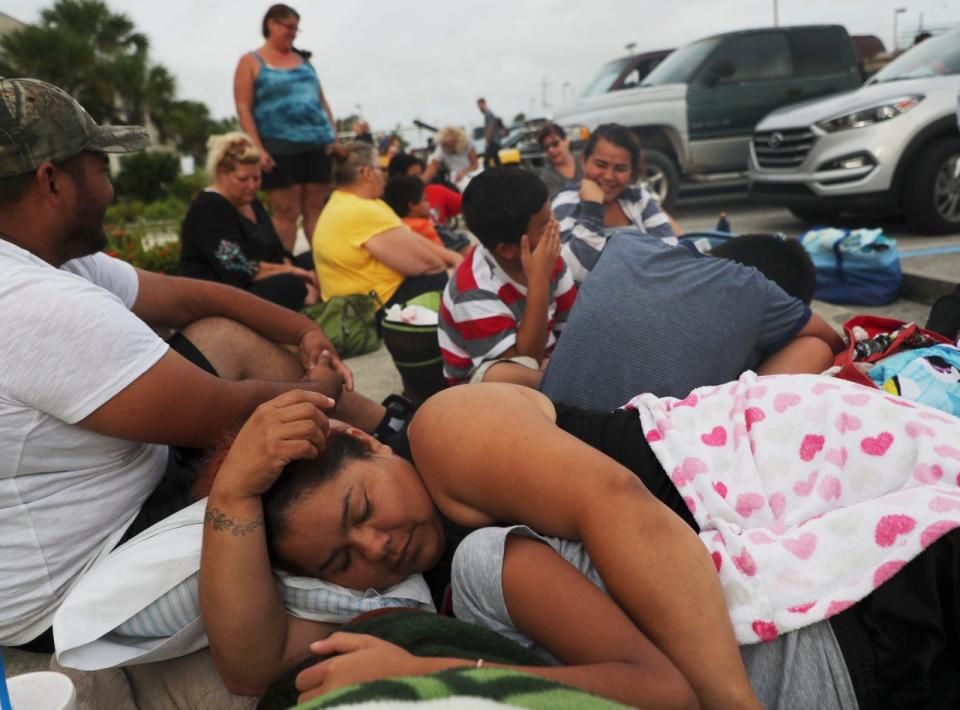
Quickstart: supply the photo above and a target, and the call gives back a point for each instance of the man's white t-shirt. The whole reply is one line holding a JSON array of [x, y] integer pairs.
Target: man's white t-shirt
[[68, 343]]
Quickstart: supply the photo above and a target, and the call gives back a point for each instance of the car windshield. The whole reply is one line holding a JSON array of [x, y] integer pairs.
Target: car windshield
[[938, 56], [602, 82], [680, 65]]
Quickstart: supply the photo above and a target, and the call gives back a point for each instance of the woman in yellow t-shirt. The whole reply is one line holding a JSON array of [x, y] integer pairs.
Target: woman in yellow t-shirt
[[360, 245]]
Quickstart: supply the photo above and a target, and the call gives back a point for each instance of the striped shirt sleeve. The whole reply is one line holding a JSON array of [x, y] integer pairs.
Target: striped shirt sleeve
[[581, 231], [474, 326]]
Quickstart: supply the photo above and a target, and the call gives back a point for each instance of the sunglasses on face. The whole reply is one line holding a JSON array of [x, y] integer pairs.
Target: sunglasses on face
[[551, 144]]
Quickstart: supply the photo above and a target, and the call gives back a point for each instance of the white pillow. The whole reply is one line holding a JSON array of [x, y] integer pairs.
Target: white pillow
[[140, 604]]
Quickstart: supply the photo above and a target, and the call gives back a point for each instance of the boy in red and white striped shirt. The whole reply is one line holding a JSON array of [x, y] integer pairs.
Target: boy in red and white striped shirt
[[506, 303]]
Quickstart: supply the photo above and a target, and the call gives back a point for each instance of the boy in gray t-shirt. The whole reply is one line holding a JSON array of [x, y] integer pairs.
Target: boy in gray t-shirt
[[665, 319]]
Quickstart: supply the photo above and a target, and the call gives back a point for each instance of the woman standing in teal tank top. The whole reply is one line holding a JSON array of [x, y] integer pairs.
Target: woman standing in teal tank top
[[281, 106]]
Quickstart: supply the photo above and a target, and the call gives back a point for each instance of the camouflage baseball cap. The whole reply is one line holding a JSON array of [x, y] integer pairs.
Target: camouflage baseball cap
[[40, 122]]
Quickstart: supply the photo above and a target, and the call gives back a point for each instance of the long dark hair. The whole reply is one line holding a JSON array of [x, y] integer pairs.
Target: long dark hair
[[298, 478], [280, 12], [622, 137]]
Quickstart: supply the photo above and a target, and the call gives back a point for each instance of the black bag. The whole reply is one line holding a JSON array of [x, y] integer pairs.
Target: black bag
[[945, 315]]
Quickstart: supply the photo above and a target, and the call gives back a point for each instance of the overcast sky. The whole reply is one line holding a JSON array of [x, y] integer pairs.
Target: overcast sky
[[430, 59]]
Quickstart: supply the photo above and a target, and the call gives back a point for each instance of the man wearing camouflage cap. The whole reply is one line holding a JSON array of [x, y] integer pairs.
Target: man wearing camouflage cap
[[84, 380]]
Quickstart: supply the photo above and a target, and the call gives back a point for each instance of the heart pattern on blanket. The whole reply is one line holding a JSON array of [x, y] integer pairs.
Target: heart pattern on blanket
[[753, 415], [690, 400], [915, 429], [766, 631], [717, 560], [783, 401], [830, 488], [900, 402], [805, 488], [877, 445], [837, 607], [822, 387], [654, 436], [948, 451], [811, 445], [756, 392], [717, 437], [745, 563], [688, 470], [944, 505], [838, 457], [886, 571], [847, 422], [749, 502], [777, 503], [928, 473], [721, 488], [802, 608], [934, 532], [857, 400], [891, 527], [759, 537], [934, 417], [802, 547]]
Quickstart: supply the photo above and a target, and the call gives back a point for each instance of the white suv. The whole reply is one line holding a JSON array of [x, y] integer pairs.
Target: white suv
[[891, 146]]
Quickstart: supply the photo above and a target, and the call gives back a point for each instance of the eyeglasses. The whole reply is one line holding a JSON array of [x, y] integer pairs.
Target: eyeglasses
[[293, 27], [551, 144]]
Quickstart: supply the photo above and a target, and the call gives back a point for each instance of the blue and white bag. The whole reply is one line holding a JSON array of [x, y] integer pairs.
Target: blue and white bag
[[858, 266]]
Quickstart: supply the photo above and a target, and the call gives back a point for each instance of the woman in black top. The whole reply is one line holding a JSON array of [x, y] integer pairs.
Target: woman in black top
[[228, 236]]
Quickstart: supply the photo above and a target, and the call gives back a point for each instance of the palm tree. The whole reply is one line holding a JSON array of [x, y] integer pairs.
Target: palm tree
[[95, 55]]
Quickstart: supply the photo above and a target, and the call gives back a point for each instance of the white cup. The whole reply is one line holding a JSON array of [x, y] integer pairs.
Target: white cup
[[45, 690]]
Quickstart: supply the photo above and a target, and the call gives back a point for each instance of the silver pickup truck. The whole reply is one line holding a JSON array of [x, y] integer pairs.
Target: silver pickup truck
[[695, 112]]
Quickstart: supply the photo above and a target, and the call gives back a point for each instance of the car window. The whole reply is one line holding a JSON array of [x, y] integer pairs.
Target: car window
[[935, 57], [604, 79], [752, 57], [681, 65], [820, 52]]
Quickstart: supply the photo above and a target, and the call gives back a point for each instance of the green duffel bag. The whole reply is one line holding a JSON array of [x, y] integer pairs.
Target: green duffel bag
[[349, 321]]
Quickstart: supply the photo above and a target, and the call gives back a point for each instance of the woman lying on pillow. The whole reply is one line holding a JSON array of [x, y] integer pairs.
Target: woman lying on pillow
[[808, 495]]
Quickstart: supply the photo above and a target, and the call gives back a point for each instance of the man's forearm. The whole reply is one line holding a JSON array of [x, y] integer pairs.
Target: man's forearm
[[204, 299]]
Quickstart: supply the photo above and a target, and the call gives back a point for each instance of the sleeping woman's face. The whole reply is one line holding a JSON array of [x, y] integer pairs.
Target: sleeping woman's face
[[371, 525]]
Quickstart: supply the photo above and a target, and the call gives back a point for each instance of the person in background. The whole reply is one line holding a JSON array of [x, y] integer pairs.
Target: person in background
[[446, 203], [405, 195], [361, 132], [491, 132], [507, 303], [227, 235], [562, 168], [360, 244], [456, 154], [607, 197], [281, 106]]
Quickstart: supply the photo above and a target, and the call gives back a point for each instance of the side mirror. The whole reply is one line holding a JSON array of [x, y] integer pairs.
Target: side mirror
[[721, 69]]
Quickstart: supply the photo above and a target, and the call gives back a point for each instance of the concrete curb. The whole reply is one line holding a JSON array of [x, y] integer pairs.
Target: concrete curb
[[924, 289]]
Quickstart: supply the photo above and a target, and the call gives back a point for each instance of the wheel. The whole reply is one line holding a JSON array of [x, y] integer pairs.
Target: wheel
[[812, 216], [662, 179], [931, 188]]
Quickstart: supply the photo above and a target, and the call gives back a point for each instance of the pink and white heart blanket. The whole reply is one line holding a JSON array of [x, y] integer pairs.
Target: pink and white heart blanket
[[810, 492]]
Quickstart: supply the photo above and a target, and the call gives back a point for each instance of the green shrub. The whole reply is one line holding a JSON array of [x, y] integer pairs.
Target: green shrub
[[169, 208], [186, 187], [128, 245], [147, 175]]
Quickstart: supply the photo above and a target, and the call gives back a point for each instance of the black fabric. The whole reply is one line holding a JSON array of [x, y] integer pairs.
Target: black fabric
[[287, 290], [414, 286], [945, 315], [312, 166], [620, 436], [902, 642]]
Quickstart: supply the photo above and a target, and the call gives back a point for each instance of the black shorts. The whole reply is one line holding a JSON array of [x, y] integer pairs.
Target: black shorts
[[313, 166]]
